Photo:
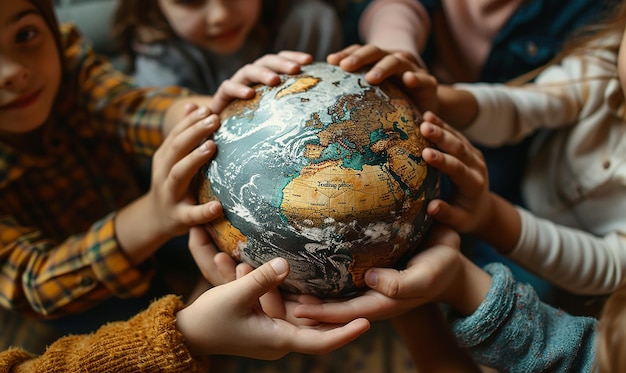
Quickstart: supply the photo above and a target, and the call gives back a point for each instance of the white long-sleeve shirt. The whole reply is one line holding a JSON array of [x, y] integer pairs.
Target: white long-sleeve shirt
[[575, 183]]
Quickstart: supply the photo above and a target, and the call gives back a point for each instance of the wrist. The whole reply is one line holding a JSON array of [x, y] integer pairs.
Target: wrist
[[502, 228], [469, 288], [138, 230]]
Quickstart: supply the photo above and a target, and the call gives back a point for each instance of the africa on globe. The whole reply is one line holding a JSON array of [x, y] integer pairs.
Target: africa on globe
[[324, 170]]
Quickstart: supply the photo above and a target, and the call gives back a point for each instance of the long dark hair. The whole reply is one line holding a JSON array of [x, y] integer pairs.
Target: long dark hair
[[46, 7], [142, 21]]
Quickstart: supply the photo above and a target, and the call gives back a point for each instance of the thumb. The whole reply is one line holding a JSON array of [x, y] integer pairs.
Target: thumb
[[384, 280], [265, 278]]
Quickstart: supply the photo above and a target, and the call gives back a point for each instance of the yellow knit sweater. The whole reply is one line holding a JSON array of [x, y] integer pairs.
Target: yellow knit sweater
[[149, 342]]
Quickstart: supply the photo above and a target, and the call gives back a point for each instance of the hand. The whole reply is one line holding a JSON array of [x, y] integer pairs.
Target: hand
[[228, 320], [431, 275], [217, 267], [265, 70], [175, 163], [399, 66], [470, 207]]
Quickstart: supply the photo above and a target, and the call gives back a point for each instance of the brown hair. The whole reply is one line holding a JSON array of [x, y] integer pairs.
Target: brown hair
[[142, 21], [611, 341]]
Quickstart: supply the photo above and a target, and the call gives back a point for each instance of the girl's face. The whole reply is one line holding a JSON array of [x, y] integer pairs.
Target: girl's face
[[30, 67], [220, 26]]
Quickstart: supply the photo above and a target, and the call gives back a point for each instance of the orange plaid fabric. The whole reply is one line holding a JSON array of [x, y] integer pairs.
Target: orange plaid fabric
[[58, 249]]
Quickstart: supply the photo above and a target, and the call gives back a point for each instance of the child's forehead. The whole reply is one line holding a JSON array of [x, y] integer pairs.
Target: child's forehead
[[14, 10]]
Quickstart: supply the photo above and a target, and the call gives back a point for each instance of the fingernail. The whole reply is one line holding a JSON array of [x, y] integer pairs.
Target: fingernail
[[216, 207], [210, 121], [371, 279], [279, 265], [205, 147], [202, 112]]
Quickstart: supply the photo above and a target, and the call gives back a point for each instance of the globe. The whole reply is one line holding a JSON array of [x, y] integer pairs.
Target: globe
[[324, 170]]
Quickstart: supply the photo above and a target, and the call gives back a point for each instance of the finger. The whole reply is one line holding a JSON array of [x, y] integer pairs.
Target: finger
[[336, 57], [180, 143], [191, 215], [366, 55], [226, 265], [421, 281], [261, 280], [277, 64], [443, 235], [389, 65], [447, 214], [312, 341], [372, 305], [228, 91], [203, 251], [184, 170], [189, 108], [301, 58], [468, 174], [242, 269], [454, 144], [193, 117]]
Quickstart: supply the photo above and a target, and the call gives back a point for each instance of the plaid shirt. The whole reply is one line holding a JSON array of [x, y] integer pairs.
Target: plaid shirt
[[58, 248]]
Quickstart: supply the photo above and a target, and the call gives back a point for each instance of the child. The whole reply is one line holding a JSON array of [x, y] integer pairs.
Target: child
[[75, 230], [477, 41], [506, 327], [574, 181], [167, 337], [199, 44]]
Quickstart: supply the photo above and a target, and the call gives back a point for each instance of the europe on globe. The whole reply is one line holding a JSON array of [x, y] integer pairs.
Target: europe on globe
[[324, 170]]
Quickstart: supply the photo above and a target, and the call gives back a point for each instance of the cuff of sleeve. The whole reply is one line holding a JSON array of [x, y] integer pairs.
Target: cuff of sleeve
[[111, 266], [148, 342], [475, 329], [486, 129]]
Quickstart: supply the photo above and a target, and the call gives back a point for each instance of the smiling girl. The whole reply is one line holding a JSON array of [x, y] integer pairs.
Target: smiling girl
[[199, 43], [76, 229]]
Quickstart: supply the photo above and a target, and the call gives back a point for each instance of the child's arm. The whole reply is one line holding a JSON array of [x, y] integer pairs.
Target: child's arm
[[396, 25], [472, 208], [501, 323], [168, 337]]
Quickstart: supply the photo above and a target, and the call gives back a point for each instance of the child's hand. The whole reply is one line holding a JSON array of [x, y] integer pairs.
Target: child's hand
[[264, 70], [228, 320], [175, 163], [470, 206], [217, 267], [429, 275], [399, 66]]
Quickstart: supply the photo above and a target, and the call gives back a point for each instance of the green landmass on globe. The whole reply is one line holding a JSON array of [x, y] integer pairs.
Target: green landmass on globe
[[324, 170]]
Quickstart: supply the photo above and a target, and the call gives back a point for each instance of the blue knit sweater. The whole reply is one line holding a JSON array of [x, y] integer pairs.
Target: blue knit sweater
[[512, 331]]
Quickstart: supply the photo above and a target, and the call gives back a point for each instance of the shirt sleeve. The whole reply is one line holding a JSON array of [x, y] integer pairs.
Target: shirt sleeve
[[561, 96], [115, 102], [575, 260], [512, 331], [44, 281], [396, 25], [148, 342]]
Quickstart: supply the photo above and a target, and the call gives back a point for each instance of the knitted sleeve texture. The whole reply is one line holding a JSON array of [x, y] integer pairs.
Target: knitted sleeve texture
[[149, 342]]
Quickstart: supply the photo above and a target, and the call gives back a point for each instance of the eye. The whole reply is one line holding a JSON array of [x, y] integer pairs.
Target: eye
[[25, 35]]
